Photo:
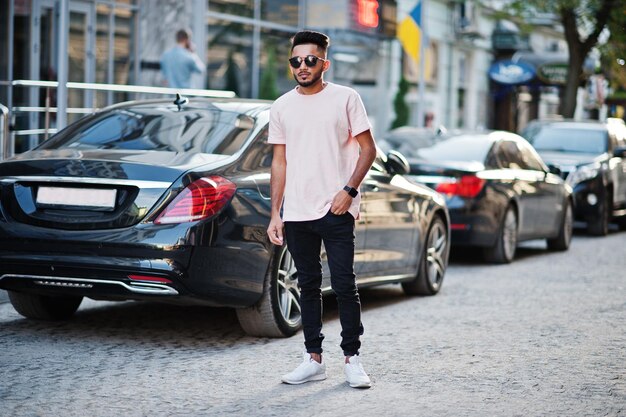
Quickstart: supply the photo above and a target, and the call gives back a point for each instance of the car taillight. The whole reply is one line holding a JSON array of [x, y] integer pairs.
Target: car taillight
[[467, 186], [201, 199]]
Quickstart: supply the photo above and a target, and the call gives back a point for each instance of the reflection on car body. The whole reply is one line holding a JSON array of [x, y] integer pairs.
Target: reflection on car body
[[591, 157], [178, 212], [498, 192]]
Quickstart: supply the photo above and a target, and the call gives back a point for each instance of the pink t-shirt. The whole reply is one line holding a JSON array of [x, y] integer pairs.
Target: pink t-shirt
[[318, 133]]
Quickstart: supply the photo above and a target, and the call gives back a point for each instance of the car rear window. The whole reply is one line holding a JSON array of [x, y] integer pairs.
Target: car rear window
[[458, 148], [159, 129], [561, 139]]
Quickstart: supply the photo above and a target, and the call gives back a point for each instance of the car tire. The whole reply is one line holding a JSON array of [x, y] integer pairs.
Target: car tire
[[433, 263], [621, 223], [562, 241], [277, 313], [599, 225], [44, 307], [503, 251]]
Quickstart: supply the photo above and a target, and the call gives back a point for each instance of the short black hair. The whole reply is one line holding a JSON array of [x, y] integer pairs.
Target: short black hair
[[309, 36], [182, 35]]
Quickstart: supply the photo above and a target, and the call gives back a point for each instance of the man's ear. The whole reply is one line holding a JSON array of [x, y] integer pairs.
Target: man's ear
[[326, 65]]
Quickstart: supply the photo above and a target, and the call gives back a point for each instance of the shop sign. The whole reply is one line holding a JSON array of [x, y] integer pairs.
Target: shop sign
[[509, 72], [554, 74]]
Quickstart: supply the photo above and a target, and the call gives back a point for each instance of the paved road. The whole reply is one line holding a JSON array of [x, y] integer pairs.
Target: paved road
[[545, 335]]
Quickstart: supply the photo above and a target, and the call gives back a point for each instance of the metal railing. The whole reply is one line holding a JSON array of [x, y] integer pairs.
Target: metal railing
[[4, 133], [8, 114]]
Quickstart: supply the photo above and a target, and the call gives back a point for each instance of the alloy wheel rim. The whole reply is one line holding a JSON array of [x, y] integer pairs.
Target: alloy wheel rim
[[509, 234], [288, 291], [435, 254]]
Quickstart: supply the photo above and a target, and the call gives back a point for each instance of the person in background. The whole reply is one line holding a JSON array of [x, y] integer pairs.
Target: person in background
[[323, 148], [179, 62]]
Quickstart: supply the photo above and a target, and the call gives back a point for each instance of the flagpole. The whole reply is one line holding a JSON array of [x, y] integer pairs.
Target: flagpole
[[422, 66]]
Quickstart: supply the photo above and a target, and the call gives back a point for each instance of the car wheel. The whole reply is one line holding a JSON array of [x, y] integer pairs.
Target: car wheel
[[43, 307], [562, 241], [599, 226], [277, 314], [433, 263], [506, 242]]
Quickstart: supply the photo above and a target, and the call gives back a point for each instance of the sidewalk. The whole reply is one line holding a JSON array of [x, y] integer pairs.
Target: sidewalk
[[4, 298]]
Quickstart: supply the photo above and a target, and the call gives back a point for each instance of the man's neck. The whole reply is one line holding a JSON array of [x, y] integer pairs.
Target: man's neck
[[312, 89]]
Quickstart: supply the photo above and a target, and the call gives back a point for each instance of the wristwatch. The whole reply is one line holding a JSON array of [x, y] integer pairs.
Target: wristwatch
[[352, 192]]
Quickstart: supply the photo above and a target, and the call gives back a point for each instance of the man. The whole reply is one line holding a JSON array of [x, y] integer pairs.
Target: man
[[178, 63], [317, 130]]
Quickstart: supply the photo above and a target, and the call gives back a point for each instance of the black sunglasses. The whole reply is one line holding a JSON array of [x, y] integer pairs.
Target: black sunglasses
[[309, 60]]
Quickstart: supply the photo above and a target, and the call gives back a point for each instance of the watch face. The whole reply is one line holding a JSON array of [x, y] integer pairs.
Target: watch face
[[352, 192]]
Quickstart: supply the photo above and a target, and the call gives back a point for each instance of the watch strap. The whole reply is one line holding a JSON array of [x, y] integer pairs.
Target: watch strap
[[352, 192]]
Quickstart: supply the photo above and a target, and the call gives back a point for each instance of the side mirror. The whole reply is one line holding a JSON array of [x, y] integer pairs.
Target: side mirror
[[397, 163], [555, 170], [620, 152]]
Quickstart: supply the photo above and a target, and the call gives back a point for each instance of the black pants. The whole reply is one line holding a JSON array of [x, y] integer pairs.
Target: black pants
[[304, 240]]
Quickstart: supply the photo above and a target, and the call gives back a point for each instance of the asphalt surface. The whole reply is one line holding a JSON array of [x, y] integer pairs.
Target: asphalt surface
[[543, 336]]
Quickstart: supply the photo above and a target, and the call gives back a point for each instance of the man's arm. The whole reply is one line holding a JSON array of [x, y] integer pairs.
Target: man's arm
[[342, 200], [277, 184]]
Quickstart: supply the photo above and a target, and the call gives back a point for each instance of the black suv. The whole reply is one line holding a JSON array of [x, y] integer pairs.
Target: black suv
[[591, 157]]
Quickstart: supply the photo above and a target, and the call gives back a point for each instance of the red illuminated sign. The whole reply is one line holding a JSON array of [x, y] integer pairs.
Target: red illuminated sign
[[367, 13]]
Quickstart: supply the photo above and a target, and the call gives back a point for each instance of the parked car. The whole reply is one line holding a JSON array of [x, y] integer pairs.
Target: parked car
[[151, 200], [591, 156], [498, 192]]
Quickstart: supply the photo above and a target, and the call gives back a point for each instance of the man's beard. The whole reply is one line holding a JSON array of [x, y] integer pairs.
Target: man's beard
[[314, 78]]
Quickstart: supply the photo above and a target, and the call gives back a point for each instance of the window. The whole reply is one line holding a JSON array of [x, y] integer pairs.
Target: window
[[152, 128], [244, 8], [570, 139], [458, 148], [284, 12], [509, 156], [260, 153], [275, 77], [229, 56], [530, 158]]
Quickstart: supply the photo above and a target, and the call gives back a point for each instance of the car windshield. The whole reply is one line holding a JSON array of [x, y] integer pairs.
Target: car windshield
[[560, 139], [458, 148], [157, 129]]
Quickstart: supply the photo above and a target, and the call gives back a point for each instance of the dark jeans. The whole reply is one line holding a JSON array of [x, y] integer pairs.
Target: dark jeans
[[304, 240]]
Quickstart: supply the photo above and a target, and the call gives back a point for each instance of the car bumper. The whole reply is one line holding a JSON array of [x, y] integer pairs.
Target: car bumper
[[589, 198], [472, 229], [140, 265]]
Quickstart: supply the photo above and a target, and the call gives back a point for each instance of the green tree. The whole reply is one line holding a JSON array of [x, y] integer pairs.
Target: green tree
[[399, 104], [614, 55], [583, 21], [268, 89]]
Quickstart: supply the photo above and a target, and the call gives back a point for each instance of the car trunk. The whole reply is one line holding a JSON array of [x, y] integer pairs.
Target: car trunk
[[88, 190]]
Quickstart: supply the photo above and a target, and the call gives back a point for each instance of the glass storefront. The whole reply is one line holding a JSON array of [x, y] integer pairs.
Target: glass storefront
[[100, 47], [248, 45]]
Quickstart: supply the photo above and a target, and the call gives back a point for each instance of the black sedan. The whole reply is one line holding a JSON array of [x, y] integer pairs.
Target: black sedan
[[498, 192], [591, 156], [168, 202]]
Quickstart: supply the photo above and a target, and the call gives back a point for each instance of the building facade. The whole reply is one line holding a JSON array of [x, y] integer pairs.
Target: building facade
[[244, 45]]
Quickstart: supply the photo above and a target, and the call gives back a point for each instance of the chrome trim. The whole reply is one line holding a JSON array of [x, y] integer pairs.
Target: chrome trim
[[136, 287], [88, 180], [64, 284], [377, 280]]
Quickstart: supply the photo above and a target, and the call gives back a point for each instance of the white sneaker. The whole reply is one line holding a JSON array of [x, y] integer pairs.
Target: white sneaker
[[355, 374], [308, 370]]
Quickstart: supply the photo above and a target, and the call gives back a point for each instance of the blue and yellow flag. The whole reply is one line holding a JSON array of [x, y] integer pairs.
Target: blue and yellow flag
[[409, 32]]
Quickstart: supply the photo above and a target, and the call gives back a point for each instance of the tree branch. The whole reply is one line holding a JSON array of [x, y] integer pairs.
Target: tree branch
[[602, 17]]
